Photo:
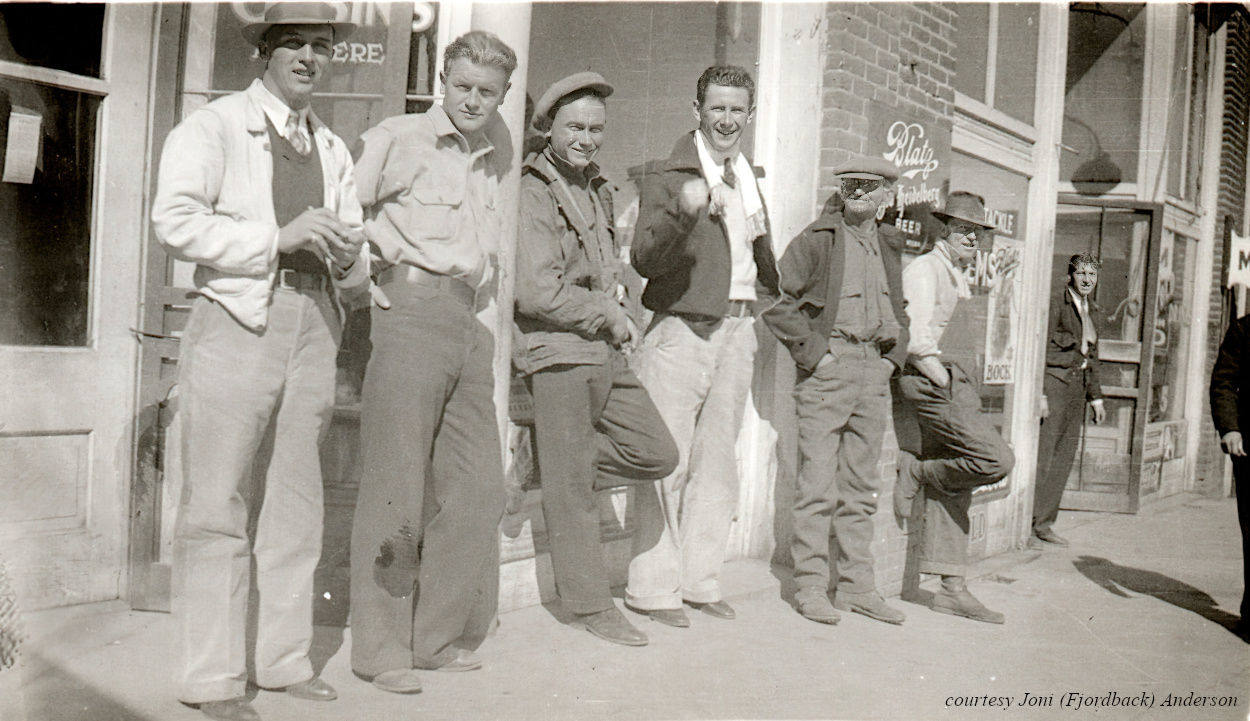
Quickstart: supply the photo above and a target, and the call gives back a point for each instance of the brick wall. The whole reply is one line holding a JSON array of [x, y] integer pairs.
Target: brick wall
[[900, 55], [1235, 138]]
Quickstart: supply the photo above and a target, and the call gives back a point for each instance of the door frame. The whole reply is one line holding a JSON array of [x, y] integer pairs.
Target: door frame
[[1095, 501]]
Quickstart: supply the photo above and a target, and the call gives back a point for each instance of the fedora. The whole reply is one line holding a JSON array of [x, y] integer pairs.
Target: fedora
[[965, 206], [297, 13]]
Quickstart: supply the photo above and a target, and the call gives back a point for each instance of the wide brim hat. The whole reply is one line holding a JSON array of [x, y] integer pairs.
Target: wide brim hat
[[298, 13], [562, 87], [866, 167], [966, 207]]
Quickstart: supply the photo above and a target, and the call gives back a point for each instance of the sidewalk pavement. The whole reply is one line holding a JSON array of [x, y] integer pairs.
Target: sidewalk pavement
[[1138, 604]]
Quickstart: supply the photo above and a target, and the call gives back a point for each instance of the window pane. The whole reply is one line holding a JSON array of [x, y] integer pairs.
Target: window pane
[[1198, 68], [61, 36], [971, 48], [1015, 73], [45, 241], [1177, 104], [1102, 105], [423, 50]]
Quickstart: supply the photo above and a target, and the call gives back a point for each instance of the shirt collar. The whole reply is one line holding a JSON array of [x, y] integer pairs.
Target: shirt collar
[[961, 281], [445, 128], [714, 172], [278, 111], [1076, 298]]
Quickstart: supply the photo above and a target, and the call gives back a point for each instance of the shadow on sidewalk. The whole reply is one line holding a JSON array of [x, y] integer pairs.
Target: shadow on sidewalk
[[51, 692], [1116, 578]]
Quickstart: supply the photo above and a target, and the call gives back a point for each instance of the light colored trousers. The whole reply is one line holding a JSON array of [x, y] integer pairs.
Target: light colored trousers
[[700, 387], [252, 405]]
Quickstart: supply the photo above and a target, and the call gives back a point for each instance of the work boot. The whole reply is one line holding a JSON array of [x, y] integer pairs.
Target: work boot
[[1048, 536], [955, 599], [611, 625], [870, 604], [906, 486], [813, 604]]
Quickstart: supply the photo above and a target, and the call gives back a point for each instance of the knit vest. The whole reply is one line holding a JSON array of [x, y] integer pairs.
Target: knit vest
[[297, 186]]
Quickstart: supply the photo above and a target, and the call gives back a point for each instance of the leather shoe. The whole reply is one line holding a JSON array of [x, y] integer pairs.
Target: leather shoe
[[906, 486], [674, 617], [1048, 536], [870, 604], [961, 602], [813, 604], [231, 709], [611, 625], [465, 660], [314, 689], [717, 609], [398, 680]]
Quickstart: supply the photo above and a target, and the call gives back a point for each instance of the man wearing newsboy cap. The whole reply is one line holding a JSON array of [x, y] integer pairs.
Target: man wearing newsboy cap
[[259, 194], [594, 424], [840, 313], [959, 450]]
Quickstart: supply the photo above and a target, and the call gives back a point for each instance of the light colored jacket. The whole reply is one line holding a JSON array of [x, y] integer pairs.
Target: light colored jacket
[[214, 204], [932, 286]]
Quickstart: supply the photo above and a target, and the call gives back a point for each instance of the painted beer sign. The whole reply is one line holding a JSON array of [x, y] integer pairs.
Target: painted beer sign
[[920, 148]]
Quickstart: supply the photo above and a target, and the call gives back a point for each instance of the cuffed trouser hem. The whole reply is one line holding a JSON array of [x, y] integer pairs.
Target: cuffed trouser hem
[[212, 691], [708, 594], [942, 568], [293, 672], [585, 608], [857, 587], [656, 602]]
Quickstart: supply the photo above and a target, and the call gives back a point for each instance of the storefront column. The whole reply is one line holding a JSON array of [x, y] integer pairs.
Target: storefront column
[[511, 22], [787, 129], [1052, 54], [1208, 203]]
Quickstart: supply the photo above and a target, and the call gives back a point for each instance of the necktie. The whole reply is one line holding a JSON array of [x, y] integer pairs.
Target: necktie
[[297, 134], [1087, 327], [728, 176]]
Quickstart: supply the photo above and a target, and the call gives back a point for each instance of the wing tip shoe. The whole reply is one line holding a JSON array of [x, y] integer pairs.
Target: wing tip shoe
[[398, 680], [674, 617], [961, 602], [611, 625], [230, 709], [813, 604], [869, 604], [715, 609]]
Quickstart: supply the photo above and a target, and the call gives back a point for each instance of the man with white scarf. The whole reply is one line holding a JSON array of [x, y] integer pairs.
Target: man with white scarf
[[702, 242]]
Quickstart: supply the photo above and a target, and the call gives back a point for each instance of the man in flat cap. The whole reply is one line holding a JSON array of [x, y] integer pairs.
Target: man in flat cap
[[840, 313], [959, 450], [431, 468], [259, 194], [594, 424], [702, 240]]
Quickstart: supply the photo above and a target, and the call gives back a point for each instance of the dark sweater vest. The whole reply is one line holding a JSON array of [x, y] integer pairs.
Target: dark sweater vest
[[297, 186]]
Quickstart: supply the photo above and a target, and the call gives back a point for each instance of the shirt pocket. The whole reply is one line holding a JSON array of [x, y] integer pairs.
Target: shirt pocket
[[438, 208]]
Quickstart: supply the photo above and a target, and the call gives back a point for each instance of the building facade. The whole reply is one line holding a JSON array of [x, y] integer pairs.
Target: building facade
[[1116, 128]]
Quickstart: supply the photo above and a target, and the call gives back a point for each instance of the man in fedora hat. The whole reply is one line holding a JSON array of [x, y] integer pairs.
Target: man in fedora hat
[[840, 314], [959, 450], [594, 424], [259, 194], [425, 540]]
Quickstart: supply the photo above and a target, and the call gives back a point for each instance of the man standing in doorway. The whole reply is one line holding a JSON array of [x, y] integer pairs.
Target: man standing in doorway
[[425, 541], [840, 314], [259, 194], [959, 450], [702, 241], [1071, 381]]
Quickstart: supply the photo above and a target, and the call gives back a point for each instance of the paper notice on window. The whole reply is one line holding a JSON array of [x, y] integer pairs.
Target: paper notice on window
[[21, 152]]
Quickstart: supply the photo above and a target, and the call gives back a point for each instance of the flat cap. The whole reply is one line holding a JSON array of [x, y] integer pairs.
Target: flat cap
[[867, 167], [577, 81]]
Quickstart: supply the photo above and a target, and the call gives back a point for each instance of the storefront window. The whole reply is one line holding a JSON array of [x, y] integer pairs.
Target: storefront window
[[996, 56], [47, 154], [1102, 103]]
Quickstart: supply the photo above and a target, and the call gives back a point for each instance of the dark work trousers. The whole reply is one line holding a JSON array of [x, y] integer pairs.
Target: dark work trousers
[[959, 451], [842, 410], [1057, 442], [594, 427], [425, 541], [1241, 477]]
